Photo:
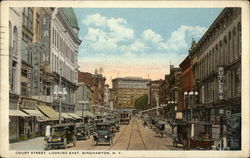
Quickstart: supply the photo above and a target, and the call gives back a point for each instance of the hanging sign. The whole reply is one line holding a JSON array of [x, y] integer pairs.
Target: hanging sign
[[45, 30], [220, 82]]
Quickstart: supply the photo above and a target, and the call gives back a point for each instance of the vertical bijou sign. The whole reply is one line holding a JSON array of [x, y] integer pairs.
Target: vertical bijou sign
[[220, 82], [46, 38]]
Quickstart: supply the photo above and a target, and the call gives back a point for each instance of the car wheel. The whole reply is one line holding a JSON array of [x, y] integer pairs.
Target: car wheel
[[65, 143]]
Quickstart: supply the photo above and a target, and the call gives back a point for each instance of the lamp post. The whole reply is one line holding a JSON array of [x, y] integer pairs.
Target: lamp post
[[190, 94], [60, 92], [83, 102], [164, 106]]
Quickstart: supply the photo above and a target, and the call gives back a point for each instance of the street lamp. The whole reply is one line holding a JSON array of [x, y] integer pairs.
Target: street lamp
[[83, 108], [60, 93], [190, 94]]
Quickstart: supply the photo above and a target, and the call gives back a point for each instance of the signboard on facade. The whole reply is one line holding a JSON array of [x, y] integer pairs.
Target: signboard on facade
[[45, 32], [35, 49], [220, 82], [179, 115]]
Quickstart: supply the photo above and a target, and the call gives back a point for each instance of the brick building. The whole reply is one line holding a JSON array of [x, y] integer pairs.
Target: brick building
[[154, 88], [97, 84]]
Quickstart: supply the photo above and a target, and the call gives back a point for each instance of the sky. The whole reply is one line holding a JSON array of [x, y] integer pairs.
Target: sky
[[140, 42]]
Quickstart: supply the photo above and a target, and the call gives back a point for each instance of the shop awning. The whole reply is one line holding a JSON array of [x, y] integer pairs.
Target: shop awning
[[40, 117], [49, 112], [17, 113], [74, 115], [33, 112], [85, 114], [66, 116]]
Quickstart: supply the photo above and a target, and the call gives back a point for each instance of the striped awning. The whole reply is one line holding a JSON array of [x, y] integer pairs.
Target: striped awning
[[17, 113], [49, 112], [35, 112], [66, 116], [74, 115], [85, 114]]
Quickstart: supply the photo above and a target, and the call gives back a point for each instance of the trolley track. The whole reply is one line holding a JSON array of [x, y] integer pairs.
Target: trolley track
[[130, 135], [134, 133], [118, 138], [140, 135]]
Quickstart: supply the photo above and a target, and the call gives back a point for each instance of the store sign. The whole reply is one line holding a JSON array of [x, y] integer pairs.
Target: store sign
[[28, 104], [35, 49], [45, 30], [220, 82]]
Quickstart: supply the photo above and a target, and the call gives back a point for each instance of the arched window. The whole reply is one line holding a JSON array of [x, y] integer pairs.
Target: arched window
[[10, 34], [15, 40], [220, 53], [239, 38], [225, 52], [235, 55], [230, 52]]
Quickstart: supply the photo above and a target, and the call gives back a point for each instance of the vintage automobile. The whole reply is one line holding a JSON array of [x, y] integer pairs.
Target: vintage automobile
[[160, 128], [103, 133], [194, 135], [61, 135], [91, 128], [114, 121], [82, 131]]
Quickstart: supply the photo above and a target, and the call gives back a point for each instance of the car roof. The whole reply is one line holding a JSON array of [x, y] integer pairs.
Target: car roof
[[104, 123], [63, 125]]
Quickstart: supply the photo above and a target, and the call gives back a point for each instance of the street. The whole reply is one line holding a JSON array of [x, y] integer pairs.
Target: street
[[130, 137]]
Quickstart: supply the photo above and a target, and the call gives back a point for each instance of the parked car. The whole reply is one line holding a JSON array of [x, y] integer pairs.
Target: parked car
[[61, 135], [103, 133], [82, 131]]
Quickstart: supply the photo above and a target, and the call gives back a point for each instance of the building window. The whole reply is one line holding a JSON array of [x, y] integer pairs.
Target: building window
[[10, 34], [28, 18], [15, 40], [13, 77], [237, 82], [38, 32], [26, 56], [239, 38]]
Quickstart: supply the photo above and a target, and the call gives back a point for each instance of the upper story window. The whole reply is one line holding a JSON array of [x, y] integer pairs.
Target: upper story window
[[10, 33], [15, 40], [38, 25], [28, 18]]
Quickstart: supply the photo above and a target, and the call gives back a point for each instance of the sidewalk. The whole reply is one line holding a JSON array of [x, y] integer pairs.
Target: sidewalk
[[168, 130], [31, 144]]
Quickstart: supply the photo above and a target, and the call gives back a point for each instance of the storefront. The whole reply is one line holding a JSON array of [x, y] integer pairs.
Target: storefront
[[16, 117], [38, 119]]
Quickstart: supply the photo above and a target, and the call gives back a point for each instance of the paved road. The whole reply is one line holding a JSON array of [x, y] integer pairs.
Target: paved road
[[130, 137]]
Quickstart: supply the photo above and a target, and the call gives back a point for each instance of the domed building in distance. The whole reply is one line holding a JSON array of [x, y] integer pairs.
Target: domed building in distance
[[64, 53]]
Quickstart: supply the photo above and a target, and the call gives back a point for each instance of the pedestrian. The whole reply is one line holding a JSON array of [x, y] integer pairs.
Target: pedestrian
[[186, 140], [29, 131]]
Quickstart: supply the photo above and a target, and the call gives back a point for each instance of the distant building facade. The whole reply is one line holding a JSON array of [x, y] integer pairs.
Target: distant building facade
[[126, 90], [97, 84], [154, 89]]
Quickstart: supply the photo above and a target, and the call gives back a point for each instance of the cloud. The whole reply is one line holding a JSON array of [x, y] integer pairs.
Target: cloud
[[136, 46], [178, 39], [151, 36], [104, 34], [95, 19]]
